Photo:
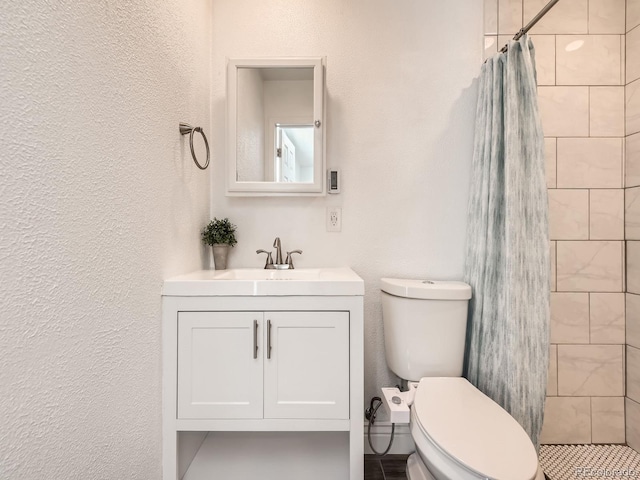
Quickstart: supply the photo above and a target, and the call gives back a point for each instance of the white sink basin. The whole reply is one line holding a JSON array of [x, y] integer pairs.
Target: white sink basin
[[260, 274], [260, 282]]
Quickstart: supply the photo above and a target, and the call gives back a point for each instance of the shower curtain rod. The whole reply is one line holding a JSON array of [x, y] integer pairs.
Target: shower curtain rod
[[533, 21]]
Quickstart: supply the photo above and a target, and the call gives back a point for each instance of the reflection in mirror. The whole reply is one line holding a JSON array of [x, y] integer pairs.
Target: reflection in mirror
[[294, 153], [275, 133]]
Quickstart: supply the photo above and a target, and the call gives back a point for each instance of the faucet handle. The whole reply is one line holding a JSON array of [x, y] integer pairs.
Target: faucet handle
[[289, 260], [269, 263]]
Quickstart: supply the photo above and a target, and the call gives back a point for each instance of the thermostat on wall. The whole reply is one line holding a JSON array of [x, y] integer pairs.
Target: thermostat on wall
[[333, 180]]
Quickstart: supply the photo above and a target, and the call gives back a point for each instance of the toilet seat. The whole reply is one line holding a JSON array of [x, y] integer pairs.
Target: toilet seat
[[472, 430]]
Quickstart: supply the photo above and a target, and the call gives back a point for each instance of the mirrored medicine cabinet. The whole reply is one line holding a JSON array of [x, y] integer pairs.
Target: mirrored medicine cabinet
[[275, 125]]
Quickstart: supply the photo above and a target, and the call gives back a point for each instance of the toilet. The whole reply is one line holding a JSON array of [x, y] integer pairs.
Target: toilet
[[459, 433]]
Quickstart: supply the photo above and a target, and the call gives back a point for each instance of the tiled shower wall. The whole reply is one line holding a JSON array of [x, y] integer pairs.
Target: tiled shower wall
[[580, 52], [632, 222]]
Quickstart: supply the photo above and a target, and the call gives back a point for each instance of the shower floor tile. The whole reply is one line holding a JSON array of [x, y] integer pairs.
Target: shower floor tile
[[573, 462]]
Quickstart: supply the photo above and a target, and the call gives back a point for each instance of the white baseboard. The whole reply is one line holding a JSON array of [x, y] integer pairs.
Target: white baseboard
[[380, 434]]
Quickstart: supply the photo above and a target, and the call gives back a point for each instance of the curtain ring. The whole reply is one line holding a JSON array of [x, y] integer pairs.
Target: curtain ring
[[186, 128]]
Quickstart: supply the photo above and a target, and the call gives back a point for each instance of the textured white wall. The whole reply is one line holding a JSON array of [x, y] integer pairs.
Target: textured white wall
[[99, 201], [400, 108]]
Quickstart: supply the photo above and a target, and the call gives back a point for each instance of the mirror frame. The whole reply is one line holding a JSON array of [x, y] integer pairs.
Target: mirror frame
[[237, 188]]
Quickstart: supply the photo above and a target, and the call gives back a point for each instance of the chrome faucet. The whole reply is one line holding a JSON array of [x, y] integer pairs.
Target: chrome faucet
[[276, 245], [269, 263], [290, 259], [279, 264]]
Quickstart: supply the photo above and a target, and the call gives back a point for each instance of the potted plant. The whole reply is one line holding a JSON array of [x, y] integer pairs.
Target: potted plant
[[220, 234]]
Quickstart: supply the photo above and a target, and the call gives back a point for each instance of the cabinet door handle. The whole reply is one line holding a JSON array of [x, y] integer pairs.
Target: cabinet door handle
[[255, 339], [268, 339]]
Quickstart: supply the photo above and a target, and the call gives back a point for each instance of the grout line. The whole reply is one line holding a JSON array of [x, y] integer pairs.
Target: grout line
[[627, 33], [589, 315], [591, 419]]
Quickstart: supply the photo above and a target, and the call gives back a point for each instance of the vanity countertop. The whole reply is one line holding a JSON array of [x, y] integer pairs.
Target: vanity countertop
[[341, 281]]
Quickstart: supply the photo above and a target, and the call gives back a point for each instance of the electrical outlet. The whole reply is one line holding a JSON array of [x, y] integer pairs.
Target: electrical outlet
[[334, 219]]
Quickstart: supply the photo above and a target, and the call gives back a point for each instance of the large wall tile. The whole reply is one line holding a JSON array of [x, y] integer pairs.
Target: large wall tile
[[606, 311], [490, 46], [623, 64], [545, 47], [567, 420], [606, 214], [632, 213], [633, 14], [552, 377], [606, 111], [590, 370], [632, 320], [592, 266], [490, 17], [509, 16], [632, 159], [589, 163], [632, 102], [569, 214], [564, 111], [633, 373], [632, 410], [633, 55], [606, 16], [633, 266], [569, 317], [550, 161], [588, 60], [607, 420], [566, 17]]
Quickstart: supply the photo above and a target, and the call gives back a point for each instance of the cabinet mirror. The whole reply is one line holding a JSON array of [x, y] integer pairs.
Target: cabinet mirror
[[275, 127]]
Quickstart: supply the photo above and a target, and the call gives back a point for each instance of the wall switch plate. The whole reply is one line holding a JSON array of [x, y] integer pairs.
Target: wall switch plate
[[334, 219]]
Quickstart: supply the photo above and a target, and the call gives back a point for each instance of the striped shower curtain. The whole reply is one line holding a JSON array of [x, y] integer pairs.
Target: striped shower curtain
[[507, 257]]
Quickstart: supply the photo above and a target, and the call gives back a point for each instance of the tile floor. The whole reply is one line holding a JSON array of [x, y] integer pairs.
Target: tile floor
[[569, 462], [560, 462], [389, 467]]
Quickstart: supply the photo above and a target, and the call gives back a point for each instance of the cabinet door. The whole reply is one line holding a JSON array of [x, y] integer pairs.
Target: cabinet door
[[306, 373], [219, 369]]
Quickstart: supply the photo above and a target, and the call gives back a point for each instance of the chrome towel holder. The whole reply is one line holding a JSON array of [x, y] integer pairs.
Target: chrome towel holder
[[185, 129]]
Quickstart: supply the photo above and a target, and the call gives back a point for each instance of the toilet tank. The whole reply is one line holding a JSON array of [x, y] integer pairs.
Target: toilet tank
[[425, 325]]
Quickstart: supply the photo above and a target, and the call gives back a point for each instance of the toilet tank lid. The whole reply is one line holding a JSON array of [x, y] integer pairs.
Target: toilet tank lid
[[426, 289]]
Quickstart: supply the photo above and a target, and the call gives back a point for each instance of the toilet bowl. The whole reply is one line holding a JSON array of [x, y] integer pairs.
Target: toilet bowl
[[462, 434], [459, 432]]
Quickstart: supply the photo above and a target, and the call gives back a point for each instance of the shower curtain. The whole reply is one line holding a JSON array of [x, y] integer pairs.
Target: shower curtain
[[507, 258]]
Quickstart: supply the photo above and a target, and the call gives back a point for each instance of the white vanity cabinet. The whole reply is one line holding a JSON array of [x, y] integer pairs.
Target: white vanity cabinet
[[263, 365], [244, 359], [209, 343]]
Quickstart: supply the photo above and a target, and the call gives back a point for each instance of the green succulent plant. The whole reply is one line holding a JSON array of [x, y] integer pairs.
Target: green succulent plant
[[219, 231]]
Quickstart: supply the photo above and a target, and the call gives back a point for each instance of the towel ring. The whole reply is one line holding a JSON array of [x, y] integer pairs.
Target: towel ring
[[185, 129]]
